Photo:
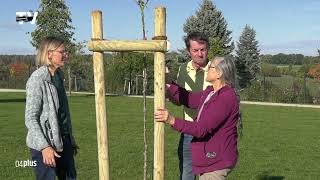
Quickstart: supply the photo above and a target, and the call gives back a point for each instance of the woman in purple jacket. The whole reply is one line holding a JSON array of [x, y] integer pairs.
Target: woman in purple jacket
[[214, 146]]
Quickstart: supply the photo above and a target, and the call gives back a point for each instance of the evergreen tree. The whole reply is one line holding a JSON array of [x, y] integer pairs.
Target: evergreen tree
[[210, 21], [248, 62], [53, 20]]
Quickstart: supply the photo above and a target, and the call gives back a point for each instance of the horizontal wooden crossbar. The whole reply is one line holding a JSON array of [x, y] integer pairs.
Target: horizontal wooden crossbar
[[133, 45]]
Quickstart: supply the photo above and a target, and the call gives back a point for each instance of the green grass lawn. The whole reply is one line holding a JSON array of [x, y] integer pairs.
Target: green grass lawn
[[278, 142]]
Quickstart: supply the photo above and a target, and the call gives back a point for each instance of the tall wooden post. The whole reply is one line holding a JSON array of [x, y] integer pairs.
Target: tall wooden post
[[75, 83], [69, 78], [101, 118], [124, 86], [159, 95]]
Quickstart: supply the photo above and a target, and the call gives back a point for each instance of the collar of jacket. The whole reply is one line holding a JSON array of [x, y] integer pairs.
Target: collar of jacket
[[191, 68], [46, 74], [221, 90]]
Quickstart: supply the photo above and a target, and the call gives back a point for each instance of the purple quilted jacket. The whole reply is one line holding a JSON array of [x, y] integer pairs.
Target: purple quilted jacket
[[214, 145]]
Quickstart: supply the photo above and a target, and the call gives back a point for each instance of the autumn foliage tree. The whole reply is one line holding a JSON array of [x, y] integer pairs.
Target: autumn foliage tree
[[17, 69], [315, 72]]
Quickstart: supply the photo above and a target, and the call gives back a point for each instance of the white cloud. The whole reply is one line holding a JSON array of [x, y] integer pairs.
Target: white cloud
[[305, 47]]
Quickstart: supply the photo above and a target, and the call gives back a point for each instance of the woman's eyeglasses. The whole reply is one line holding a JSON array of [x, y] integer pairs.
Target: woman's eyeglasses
[[63, 52], [210, 67]]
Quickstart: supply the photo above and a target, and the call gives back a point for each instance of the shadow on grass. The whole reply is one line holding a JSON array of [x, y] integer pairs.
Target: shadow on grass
[[269, 177], [265, 175], [12, 100]]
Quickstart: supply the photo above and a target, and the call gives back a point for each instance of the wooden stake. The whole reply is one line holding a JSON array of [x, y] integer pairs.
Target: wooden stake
[[159, 95], [101, 118], [160, 45], [133, 45]]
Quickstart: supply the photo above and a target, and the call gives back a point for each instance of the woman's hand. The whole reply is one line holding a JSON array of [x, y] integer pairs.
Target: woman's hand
[[74, 145], [163, 115], [49, 155], [168, 79]]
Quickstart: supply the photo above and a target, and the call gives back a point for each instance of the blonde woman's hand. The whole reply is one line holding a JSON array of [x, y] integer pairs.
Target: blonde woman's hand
[[74, 145], [49, 155], [163, 115]]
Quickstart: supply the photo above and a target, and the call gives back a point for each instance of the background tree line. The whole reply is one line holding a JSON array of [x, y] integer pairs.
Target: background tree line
[[287, 59], [122, 70], [257, 74]]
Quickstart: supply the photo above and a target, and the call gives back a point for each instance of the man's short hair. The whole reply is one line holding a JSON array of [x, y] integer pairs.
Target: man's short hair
[[196, 36]]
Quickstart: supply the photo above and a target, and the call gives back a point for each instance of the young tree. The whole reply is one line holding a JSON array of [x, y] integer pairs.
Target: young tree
[[80, 67], [247, 61], [142, 4], [210, 21]]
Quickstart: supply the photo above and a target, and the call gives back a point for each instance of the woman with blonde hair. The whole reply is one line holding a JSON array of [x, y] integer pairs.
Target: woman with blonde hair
[[214, 145], [47, 115]]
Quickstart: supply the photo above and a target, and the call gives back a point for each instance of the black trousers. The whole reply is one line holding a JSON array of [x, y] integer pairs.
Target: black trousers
[[65, 167]]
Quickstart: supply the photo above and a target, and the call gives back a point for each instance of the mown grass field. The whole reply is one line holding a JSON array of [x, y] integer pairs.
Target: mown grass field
[[278, 142]]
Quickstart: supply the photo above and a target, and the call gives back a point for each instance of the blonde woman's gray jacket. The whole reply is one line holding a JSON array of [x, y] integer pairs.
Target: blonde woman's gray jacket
[[42, 104]]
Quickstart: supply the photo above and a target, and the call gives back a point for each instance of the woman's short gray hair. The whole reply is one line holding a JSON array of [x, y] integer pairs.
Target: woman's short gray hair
[[227, 68]]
